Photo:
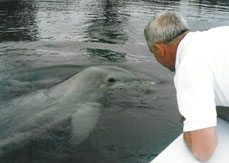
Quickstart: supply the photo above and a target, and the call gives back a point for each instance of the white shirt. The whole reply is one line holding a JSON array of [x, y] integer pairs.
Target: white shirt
[[202, 76]]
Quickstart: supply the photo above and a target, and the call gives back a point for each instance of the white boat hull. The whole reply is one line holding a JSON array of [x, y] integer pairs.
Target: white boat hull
[[178, 152]]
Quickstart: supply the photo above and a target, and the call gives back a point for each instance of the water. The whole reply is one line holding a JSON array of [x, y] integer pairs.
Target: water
[[43, 42]]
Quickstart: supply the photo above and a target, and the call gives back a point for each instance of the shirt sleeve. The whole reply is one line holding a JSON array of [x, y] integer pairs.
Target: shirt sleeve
[[195, 95]]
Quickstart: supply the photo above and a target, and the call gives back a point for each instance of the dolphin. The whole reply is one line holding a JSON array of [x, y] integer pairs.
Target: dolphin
[[76, 99]]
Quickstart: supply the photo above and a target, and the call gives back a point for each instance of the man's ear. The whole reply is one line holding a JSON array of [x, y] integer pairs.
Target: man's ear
[[160, 47]]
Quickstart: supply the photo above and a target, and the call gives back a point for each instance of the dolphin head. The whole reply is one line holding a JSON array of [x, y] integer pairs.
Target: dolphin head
[[93, 79], [110, 74]]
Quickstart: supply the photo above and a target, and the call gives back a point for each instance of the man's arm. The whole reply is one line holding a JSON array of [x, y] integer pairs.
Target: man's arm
[[202, 143]]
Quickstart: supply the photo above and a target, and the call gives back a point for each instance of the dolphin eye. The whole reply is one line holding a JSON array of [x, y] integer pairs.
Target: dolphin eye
[[111, 80]]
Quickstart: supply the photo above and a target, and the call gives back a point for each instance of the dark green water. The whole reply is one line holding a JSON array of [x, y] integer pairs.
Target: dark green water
[[43, 42]]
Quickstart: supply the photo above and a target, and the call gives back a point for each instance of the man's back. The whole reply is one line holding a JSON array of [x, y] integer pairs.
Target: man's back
[[202, 77], [211, 49]]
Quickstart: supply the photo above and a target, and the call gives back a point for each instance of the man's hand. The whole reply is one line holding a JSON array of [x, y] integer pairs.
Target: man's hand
[[202, 143]]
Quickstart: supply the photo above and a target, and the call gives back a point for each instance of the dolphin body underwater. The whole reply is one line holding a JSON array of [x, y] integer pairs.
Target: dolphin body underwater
[[76, 99]]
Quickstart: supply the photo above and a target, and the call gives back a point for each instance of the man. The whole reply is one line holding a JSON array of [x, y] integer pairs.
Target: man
[[201, 62]]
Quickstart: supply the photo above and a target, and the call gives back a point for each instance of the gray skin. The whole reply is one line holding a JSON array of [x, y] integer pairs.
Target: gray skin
[[77, 98]]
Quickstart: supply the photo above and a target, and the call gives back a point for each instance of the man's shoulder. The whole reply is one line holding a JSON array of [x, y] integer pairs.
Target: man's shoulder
[[219, 29], [208, 36]]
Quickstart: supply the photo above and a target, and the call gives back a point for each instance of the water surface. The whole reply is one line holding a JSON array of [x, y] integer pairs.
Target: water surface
[[43, 42]]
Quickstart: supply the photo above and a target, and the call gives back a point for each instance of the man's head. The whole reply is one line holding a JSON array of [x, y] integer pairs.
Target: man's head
[[161, 34]]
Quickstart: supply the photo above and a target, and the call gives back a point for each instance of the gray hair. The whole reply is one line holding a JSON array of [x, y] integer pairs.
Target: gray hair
[[164, 28]]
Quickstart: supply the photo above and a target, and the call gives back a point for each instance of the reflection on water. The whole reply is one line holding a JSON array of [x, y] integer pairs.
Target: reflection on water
[[43, 42], [18, 21], [200, 13], [105, 54], [106, 23]]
